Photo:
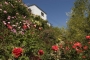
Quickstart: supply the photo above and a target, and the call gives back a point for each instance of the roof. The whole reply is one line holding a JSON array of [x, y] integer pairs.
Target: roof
[[37, 7]]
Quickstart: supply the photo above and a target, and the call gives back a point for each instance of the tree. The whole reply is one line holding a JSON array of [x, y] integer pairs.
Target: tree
[[78, 26]]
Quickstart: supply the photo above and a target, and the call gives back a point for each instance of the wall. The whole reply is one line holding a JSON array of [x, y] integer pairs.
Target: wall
[[35, 10]]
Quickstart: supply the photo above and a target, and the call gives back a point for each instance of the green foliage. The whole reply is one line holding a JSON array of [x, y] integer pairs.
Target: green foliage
[[77, 24]]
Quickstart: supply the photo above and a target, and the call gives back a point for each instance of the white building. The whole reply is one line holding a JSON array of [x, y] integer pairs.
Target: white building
[[37, 11]]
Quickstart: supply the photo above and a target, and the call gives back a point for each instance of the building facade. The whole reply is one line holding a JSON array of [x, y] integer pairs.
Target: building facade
[[37, 11]]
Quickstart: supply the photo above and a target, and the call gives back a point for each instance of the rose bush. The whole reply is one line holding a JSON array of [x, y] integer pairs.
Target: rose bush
[[37, 39], [19, 28], [75, 50]]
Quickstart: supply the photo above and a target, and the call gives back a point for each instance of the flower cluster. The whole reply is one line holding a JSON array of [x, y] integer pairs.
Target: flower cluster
[[88, 37], [72, 49], [17, 52], [15, 22], [77, 46]]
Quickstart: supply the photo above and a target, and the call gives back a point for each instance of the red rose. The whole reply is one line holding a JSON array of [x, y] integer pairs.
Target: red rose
[[40, 52], [67, 48], [77, 44], [87, 37], [17, 52], [9, 26], [25, 27], [54, 47], [85, 47]]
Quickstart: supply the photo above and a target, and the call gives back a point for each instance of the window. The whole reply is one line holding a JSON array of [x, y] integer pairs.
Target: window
[[29, 10], [42, 13]]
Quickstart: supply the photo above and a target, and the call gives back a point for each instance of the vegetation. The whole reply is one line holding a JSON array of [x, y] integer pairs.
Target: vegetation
[[25, 36]]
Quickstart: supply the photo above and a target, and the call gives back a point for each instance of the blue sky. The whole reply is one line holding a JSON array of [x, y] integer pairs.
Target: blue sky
[[56, 10]]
